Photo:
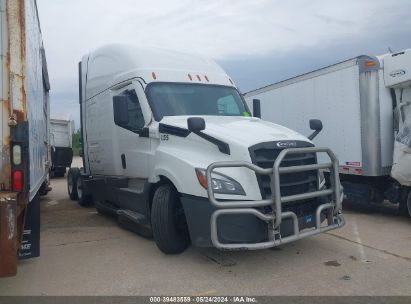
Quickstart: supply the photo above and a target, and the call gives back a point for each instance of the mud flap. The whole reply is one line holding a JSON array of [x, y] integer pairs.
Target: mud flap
[[8, 235], [30, 244]]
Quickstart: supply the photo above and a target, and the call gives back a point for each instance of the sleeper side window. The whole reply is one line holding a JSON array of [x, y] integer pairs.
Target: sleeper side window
[[135, 118]]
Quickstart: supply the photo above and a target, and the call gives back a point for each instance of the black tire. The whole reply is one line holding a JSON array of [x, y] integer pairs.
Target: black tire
[[409, 204], [168, 221], [44, 189], [72, 176], [84, 200], [404, 208]]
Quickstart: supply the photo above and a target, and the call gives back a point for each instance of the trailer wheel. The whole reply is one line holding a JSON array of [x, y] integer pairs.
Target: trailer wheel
[[84, 199], [168, 221], [72, 175]]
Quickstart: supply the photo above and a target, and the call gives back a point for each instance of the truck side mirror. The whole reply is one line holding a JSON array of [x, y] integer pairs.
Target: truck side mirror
[[256, 108], [195, 124], [317, 126], [120, 109]]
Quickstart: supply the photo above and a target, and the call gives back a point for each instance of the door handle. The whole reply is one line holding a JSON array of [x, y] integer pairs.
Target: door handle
[[123, 161]]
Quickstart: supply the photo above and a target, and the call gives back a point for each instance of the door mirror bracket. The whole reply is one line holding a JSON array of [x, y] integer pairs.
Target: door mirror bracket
[[317, 126]]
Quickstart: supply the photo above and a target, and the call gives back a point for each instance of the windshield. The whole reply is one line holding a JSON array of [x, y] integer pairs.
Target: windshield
[[174, 99]]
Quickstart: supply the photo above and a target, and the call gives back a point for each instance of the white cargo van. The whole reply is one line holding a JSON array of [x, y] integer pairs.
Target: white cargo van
[[365, 105], [171, 150], [61, 137], [24, 132]]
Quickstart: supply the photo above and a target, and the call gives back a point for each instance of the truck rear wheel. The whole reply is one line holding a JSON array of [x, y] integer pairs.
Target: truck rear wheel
[[72, 175], [168, 221], [84, 199]]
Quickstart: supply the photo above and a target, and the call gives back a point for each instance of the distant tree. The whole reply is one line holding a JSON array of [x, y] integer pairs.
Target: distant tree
[[76, 142]]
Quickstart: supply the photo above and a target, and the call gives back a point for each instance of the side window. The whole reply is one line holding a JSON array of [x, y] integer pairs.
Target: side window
[[227, 106], [134, 112]]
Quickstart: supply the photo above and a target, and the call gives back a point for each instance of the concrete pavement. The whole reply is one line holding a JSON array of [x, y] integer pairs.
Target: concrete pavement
[[84, 253]]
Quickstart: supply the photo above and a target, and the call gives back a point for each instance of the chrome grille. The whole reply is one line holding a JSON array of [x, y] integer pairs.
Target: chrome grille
[[264, 155]]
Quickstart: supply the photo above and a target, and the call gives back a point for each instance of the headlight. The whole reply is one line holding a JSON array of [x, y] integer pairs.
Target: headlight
[[221, 184], [321, 180]]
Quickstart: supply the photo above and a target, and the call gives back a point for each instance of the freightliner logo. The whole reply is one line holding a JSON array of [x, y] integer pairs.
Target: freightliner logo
[[397, 73], [286, 144]]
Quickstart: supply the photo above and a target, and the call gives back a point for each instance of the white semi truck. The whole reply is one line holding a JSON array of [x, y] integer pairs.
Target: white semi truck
[[61, 137], [171, 150], [24, 132], [365, 104]]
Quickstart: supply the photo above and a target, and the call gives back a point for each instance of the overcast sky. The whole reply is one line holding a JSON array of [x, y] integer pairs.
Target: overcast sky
[[257, 42]]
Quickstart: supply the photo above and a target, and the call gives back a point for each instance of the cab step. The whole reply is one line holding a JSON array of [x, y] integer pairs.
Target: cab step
[[134, 222]]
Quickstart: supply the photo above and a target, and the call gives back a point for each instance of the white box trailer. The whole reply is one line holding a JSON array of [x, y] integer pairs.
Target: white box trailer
[[61, 137], [171, 151], [358, 101], [24, 131]]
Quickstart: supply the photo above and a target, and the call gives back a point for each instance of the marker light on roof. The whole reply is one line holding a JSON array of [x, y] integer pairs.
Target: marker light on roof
[[370, 63], [198, 77], [154, 75], [206, 78], [189, 77]]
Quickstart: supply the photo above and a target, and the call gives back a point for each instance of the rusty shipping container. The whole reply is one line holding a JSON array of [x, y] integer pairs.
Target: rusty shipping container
[[24, 131]]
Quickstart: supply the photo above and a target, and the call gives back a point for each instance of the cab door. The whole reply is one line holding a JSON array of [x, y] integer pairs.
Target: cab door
[[134, 145]]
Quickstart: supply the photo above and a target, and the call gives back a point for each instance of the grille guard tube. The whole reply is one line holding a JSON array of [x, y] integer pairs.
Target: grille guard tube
[[334, 215]]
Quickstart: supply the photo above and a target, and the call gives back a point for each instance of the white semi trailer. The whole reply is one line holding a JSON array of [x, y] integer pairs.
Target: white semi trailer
[[170, 150], [61, 138], [24, 131], [365, 104]]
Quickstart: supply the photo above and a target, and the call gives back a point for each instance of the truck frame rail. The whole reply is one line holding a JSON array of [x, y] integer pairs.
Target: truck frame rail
[[274, 219]]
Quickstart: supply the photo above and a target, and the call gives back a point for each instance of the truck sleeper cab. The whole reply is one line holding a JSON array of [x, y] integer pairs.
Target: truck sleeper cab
[[61, 137], [170, 149]]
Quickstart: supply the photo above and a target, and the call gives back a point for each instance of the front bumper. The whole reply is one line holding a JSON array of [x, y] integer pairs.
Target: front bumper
[[236, 225], [237, 228]]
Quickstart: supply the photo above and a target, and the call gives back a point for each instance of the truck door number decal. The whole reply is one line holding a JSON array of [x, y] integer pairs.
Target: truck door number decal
[[164, 137]]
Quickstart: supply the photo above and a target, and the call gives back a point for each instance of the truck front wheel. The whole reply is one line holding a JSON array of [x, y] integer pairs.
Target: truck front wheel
[[168, 221], [405, 205]]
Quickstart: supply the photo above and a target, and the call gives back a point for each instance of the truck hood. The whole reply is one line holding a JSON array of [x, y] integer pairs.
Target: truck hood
[[246, 131]]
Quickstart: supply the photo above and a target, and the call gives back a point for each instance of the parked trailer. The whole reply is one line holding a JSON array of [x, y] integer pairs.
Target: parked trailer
[[24, 131], [364, 103], [170, 149], [61, 137]]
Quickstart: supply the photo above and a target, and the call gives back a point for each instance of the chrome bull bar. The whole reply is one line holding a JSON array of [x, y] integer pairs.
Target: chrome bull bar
[[334, 207]]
